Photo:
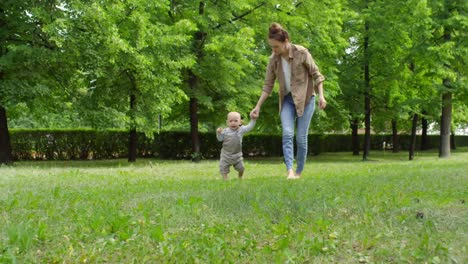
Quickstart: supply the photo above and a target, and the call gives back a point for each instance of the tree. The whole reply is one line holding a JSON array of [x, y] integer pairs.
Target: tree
[[129, 60], [449, 49], [357, 61], [401, 89], [223, 47], [28, 59], [350, 80]]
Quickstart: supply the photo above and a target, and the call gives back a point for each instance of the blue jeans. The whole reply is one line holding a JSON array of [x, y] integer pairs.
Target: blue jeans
[[288, 120]]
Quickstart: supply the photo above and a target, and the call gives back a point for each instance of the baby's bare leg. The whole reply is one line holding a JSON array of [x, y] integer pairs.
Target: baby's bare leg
[[224, 168], [240, 168]]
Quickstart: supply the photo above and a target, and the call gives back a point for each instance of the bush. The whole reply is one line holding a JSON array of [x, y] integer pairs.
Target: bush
[[81, 144]]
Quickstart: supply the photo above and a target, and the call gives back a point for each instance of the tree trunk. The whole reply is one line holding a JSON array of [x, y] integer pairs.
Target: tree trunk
[[445, 123], [367, 95], [132, 145], [354, 136], [395, 140], [132, 137], [193, 109], [199, 40], [413, 137], [5, 142], [196, 156], [424, 126], [446, 117], [452, 140]]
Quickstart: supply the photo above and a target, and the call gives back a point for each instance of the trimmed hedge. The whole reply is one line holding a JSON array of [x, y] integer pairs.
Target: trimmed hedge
[[68, 144], [108, 144]]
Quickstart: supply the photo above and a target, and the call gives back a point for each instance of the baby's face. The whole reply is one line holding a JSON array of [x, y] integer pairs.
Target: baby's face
[[234, 121]]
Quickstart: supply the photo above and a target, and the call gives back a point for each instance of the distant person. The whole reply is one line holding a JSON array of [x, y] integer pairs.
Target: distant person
[[231, 136], [299, 82]]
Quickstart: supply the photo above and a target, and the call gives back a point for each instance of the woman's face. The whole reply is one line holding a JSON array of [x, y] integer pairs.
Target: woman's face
[[278, 47]]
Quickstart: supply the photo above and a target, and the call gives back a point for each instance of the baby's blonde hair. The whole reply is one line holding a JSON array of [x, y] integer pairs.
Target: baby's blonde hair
[[234, 113]]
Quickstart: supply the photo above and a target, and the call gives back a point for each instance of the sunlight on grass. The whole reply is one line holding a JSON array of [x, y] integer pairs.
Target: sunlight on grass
[[343, 210]]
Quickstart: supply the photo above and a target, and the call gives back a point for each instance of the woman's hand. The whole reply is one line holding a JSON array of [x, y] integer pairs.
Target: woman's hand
[[255, 113], [322, 102]]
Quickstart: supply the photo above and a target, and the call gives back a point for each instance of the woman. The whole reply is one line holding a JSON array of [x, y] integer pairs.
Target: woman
[[299, 82]]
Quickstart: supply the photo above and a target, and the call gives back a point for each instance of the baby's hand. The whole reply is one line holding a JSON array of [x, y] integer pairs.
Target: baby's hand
[[253, 115], [219, 130]]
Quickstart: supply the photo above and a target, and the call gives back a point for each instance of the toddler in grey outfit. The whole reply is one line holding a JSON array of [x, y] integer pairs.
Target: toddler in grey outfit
[[231, 153]]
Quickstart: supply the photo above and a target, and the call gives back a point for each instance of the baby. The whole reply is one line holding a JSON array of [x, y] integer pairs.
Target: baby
[[231, 153]]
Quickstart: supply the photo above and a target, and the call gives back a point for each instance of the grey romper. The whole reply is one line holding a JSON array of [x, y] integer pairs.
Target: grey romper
[[231, 153]]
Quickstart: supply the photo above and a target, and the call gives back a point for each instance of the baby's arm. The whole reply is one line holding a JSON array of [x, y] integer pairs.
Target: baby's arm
[[250, 126], [220, 134]]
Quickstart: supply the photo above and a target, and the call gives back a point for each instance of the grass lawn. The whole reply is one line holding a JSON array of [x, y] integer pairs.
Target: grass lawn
[[343, 210]]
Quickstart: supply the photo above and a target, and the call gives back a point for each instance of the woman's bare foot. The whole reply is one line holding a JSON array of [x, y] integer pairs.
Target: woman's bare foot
[[291, 175]]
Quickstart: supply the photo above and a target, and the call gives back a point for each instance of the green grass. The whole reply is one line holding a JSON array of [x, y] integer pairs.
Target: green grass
[[343, 210]]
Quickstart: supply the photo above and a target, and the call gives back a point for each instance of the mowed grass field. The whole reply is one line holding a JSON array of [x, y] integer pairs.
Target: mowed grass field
[[343, 210]]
